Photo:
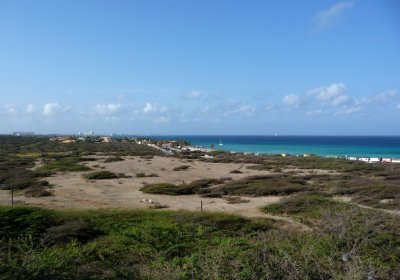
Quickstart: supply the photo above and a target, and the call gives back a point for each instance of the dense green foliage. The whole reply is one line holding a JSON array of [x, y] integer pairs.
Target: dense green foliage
[[151, 244]]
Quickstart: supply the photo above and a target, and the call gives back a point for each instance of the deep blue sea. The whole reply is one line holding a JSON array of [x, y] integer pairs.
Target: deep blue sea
[[358, 146]]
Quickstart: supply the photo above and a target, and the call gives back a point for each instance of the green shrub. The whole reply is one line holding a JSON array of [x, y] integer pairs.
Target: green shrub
[[170, 189], [198, 186], [20, 221], [101, 175], [262, 185]]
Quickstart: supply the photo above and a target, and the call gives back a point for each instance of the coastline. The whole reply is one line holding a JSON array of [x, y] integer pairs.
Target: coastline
[[325, 146]]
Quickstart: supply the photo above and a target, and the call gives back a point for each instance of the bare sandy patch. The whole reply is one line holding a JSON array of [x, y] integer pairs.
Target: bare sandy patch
[[73, 191]]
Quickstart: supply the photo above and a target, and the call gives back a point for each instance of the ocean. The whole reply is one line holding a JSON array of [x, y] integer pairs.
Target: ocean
[[356, 146]]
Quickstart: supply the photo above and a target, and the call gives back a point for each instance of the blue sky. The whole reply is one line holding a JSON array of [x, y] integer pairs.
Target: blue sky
[[200, 67]]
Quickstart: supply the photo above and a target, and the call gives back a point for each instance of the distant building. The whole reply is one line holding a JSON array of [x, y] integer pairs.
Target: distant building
[[23, 133]]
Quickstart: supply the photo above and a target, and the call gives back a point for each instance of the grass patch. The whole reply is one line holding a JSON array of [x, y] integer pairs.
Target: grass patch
[[63, 164], [236, 172], [307, 205], [373, 195], [170, 189], [195, 187], [103, 175], [263, 185]]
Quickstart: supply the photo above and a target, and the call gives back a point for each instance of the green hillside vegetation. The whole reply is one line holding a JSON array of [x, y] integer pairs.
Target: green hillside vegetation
[[349, 243]]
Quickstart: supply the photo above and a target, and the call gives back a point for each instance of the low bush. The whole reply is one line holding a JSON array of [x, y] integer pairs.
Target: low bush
[[102, 175], [263, 185], [307, 205], [181, 168], [170, 189], [195, 187], [143, 175], [37, 191]]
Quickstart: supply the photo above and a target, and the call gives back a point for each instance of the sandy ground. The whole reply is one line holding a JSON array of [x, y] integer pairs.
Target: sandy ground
[[72, 191]]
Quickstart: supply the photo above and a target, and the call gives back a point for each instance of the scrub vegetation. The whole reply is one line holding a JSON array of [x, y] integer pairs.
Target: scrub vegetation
[[337, 240], [348, 243], [24, 161]]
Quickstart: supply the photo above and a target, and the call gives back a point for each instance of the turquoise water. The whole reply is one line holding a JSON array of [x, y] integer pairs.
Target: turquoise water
[[357, 146]]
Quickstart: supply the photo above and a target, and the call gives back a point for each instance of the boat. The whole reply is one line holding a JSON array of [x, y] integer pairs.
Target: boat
[[220, 142]]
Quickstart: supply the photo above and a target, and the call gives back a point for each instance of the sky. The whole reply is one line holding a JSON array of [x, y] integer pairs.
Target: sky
[[310, 67]]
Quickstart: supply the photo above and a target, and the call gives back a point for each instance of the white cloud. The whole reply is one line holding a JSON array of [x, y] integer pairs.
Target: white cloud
[[55, 108], [340, 100], [149, 108], [381, 98], [291, 100], [10, 109], [386, 96], [245, 109], [329, 92], [108, 109], [30, 108], [51, 109], [194, 94], [327, 18]]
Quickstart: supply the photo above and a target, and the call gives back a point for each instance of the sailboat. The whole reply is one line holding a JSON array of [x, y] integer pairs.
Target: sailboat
[[220, 142]]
